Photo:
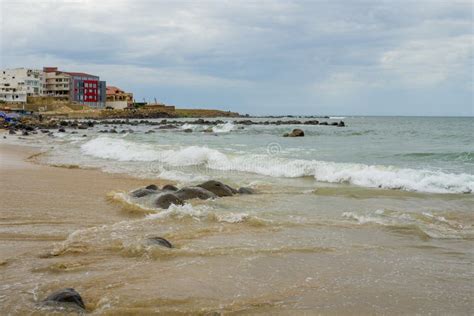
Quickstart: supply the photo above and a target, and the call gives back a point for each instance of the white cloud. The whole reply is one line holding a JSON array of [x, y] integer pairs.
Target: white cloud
[[431, 61]]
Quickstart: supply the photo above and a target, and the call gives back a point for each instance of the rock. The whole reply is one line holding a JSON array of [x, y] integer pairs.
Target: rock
[[341, 124], [63, 123], [167, 126], [188, 193], [164, 200], [286, 135], [62, 130], [334, 124], [296, 133], [169, 187], [81, 126], [68, 296], [142, 192], [311, 122], [208, 130], [25, 133], [323, 123], [152, 187], [160, 241], [113, 131], [84, 135], [45, 131], [11, 132], [218, 188], [188, 130], [245, 190]]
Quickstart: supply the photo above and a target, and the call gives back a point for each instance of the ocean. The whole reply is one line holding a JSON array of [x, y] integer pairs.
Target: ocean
[[374, 217]]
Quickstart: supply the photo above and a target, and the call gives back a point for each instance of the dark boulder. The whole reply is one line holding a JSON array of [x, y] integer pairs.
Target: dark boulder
[[245, 190], [188, 130], [160, 241], [62, 130], [169, 187], [11, 132], [67, 296], [164, 200], [151, 187], [341, 124], [143, 192], [25, 133], [323, 123], [218, 188], [286, 135], [188, 193], [296, 133]]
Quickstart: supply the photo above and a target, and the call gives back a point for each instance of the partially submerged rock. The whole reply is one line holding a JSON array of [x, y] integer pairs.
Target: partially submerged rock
[[143, 192], [66, 296], [218, 188], [296, 133], [188, 193], [246, 190], [164, 200], [151, 187], [160, 241], [169, 187]]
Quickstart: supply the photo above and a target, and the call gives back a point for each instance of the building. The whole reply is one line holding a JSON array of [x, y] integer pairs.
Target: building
[[76, 87], [117, 98], [56, 83], [19, 83]]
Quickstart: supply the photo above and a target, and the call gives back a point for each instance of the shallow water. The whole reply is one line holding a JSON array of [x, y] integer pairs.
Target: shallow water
[[377, 217]]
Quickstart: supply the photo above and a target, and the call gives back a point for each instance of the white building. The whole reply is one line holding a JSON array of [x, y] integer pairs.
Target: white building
[[19, 83]]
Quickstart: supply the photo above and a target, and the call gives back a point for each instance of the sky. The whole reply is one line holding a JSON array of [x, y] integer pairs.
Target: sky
[[258, 57]]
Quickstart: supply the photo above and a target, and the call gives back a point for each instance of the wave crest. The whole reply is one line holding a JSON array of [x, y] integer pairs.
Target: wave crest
[[375, 176]]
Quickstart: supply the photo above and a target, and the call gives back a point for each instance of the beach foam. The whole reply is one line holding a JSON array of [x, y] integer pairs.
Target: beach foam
[[377, 176], [428, 224]]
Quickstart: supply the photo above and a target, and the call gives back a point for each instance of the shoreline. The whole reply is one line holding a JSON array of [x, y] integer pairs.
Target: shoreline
[[56, 193]]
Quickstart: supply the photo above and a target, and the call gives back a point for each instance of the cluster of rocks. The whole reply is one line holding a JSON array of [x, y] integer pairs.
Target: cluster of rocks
[[34, 125], [170, 194]]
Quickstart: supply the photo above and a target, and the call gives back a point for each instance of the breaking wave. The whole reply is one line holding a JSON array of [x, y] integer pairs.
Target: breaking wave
[[377, 176], [223, 128]]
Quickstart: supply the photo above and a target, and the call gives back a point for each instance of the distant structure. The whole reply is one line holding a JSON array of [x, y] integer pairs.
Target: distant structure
[[117, 98], [78, 87], [19, 83]]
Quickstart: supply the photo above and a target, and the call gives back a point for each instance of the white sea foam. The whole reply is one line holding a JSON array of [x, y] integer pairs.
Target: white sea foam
[[434, 226], [223, 128], [388, 177]]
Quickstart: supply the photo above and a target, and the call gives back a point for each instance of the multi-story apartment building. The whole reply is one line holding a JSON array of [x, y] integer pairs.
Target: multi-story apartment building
[[19, 83], [56, 83], [77, 87]]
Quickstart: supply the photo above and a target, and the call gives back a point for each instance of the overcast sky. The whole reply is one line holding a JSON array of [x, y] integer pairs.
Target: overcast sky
[[258, 57]]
